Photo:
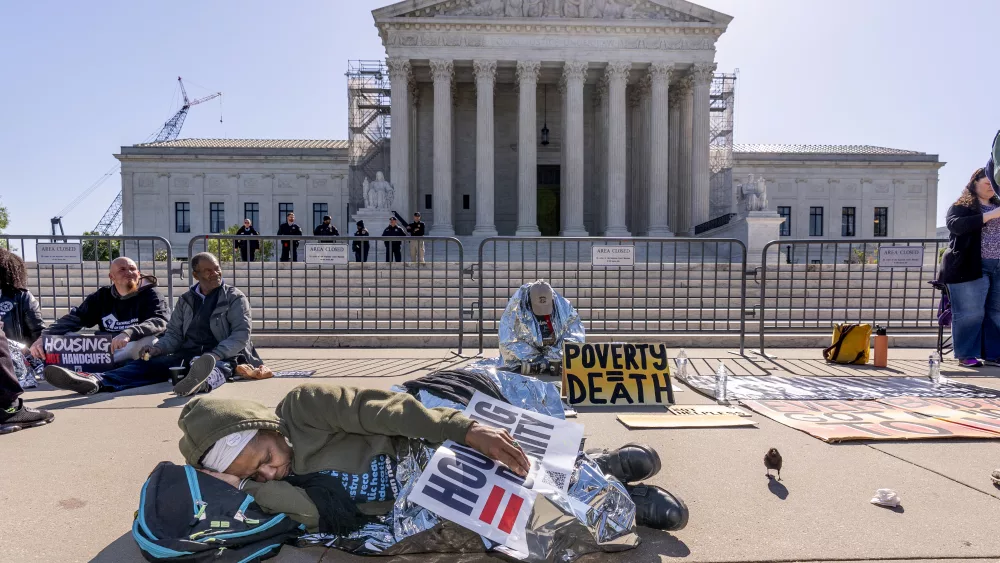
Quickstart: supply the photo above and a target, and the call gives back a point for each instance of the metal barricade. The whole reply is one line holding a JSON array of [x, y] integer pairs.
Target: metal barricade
[[328, 290], [688, 285], [63, 270], [807, 286]]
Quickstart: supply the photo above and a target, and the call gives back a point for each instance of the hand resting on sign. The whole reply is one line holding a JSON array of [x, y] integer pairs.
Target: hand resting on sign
[[498, 445]]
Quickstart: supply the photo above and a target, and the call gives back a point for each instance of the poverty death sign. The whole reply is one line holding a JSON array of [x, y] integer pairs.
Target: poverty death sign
[[90, 354], [616, 374], [326, 254], [475, 492]]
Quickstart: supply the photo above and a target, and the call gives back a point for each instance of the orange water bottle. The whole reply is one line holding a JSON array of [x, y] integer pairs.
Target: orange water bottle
[[881, 347]]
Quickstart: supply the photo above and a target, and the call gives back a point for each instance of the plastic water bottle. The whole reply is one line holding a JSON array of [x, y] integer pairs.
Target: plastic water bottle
[[721, 381], [934, 370], [682, 365]]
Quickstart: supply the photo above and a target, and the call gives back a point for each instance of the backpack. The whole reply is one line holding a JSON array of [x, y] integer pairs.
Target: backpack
[[186, 515], [851, 344]]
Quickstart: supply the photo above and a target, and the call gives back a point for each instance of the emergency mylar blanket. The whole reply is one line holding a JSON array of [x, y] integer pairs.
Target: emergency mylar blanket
[[595, 513], [521, 336]]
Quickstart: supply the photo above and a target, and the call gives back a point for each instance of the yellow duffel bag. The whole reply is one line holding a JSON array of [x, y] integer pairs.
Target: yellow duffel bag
[[851, 344]]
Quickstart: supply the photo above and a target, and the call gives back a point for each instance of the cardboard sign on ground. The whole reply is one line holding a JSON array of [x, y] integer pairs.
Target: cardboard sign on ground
[[636, 421], [703, 410], [616, 374], [90, 354], [754, 388], [981, 414], [839, 421]]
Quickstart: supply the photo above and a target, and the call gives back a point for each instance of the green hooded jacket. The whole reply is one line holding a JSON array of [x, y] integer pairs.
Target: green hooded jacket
[[330, 427]]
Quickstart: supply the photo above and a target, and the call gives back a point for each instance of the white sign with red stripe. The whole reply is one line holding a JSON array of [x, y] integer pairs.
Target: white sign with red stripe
[[475, 492]]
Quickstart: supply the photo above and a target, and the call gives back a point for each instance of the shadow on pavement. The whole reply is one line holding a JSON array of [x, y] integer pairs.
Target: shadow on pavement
[[777, 488], [122, 550]]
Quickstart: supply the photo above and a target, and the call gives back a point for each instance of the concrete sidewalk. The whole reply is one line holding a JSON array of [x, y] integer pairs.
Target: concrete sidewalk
[[70, 489]]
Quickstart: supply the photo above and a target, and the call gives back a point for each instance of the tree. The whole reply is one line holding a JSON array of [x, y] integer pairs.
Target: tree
[[101, 250], [4, 218], [225, 249]]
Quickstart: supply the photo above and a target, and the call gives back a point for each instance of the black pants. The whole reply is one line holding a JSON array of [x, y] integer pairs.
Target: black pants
[[285, 247], [397, 252], [10, 389], [246, 255], [357, 255]]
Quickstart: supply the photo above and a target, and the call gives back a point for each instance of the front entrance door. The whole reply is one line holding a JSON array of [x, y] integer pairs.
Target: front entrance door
[[548, 200]]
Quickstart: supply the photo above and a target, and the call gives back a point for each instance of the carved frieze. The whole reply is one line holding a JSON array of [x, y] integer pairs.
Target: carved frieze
[[583, 9]]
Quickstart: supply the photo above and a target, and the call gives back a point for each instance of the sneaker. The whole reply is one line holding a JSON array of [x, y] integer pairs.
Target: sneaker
[[201, 368], [62, 378], [971, 363], [656, 508], [215, 380], [996, 477], [992, 363], [18, 417]]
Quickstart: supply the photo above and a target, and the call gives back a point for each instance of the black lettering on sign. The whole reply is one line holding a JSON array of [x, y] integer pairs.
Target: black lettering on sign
[[659, 353], [619, 390], [497, 414], [916, 428], [866, 427], [843, 417], [639, 379], [616, 356], [462, 473], [642, 348], [472, 457], [588, 356], [445, 492], [602, 355], [630, 357], [659, 389], [527, 419], [577, 390], [571, 352], [509, 475], [593, 390]]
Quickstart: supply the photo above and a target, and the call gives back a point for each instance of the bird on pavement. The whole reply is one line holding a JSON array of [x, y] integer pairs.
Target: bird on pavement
[[772, 461]]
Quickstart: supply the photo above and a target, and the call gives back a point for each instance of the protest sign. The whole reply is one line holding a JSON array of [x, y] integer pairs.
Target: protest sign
[[473, 491], [634, 421], [981, 414], [900, 256], [838, 421], [835, 388], [326, 254], [90, 354], [616, 374], [51, 253], [612, 255], [706, 410]]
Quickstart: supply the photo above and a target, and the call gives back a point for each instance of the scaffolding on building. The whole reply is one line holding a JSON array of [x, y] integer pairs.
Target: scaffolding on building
[[722, 109], [369, 123]]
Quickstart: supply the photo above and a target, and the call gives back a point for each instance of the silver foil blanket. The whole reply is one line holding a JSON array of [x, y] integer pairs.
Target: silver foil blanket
[[595, 514], [521, 336]]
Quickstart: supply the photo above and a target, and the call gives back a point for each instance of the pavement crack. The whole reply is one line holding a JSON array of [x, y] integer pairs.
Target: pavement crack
[[938, 473]]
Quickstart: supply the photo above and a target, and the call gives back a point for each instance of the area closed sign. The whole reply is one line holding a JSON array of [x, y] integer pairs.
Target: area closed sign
[[900, 256], [612, 255], [51, 253], [616, 374], [326, 254]]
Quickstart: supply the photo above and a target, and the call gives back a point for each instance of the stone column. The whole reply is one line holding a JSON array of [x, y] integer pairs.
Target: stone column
[[601, 150], [575, 72], [415, 200], [644, 151], [659, 148], [701, 187], [674, 157], [616, 75], [486, 74], [684, 224], [527, 149], [399, 154], [443, 72]]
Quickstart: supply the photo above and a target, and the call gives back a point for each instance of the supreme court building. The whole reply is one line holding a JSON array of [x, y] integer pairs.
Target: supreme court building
[[536, 117]]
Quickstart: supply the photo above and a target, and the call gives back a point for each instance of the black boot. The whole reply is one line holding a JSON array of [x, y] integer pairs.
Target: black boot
[[18, 417], [630, 463], [656, 508]]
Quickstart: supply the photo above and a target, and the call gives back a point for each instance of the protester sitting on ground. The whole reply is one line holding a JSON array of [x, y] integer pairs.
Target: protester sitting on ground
[[130, 309], [14, 414], [971, 268], [19, 310], [209, 331], [534, 325], [321, 427]]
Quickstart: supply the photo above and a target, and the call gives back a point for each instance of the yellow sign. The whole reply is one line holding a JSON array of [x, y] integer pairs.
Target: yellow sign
[[616, 374]]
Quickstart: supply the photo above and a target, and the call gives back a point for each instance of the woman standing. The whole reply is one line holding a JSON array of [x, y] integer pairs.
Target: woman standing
[[971, 268], [248, 248]]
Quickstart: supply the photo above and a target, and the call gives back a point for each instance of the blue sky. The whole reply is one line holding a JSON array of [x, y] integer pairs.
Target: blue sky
[[82, 79]]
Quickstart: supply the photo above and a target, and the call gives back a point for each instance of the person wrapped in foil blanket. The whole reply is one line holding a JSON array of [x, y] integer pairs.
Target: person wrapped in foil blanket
[[534, 325], [377, 443]]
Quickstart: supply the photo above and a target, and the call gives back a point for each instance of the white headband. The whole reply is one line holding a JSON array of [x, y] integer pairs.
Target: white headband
[[227, 449]]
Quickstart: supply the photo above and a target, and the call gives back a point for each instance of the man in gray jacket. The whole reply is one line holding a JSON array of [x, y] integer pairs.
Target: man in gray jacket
[[209, 330]]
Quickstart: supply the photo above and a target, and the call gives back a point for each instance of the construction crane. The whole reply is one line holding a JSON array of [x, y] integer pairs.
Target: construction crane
[[111, 221]]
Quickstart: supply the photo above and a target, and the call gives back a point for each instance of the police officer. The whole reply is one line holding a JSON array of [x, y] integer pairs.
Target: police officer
[[393, 230]]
